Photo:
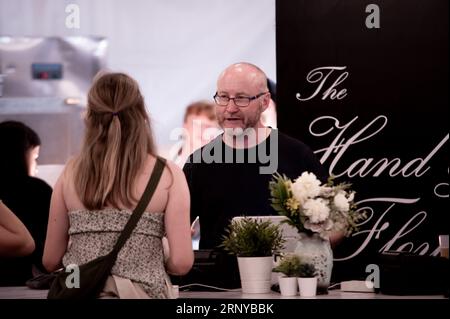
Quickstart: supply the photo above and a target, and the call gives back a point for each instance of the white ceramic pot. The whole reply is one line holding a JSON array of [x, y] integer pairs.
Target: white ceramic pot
[[288, 286], [307, 286], [255, 273]]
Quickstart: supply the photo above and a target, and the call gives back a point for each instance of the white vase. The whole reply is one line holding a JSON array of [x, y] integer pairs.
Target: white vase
[[255, 273], [288, 286], [316, 250], [307, 286]]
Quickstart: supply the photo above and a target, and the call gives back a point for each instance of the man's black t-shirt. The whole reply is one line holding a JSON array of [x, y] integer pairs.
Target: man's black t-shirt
[[226, 182]]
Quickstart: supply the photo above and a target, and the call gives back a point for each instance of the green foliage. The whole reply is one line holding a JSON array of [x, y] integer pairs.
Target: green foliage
[[252, 238], [280, 194], [289, 265], [307, 270]]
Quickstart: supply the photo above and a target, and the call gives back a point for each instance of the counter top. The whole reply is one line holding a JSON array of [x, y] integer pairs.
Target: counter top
[[27, 293]]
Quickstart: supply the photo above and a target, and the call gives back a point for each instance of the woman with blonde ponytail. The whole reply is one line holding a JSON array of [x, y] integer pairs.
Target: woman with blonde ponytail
[[95, 195]]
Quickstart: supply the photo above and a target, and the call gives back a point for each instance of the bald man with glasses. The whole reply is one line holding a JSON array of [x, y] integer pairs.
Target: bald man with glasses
[[230, 176]]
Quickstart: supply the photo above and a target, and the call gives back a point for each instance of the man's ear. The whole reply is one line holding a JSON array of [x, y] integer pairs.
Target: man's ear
[[265, 101]]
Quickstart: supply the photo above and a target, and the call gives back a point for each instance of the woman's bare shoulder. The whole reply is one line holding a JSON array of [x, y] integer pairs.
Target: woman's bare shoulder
[[172, 172]]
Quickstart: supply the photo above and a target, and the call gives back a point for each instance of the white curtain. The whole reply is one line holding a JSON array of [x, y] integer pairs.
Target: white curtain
[[174, 48]]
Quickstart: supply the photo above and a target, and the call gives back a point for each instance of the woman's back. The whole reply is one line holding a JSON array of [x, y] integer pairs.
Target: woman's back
[[93, 233], [99, 189]]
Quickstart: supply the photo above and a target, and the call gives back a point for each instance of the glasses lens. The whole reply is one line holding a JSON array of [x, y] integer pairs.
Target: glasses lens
[[242, 101], [222, 99]]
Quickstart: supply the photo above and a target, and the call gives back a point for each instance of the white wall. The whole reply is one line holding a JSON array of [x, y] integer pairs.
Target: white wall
[[174, 48]]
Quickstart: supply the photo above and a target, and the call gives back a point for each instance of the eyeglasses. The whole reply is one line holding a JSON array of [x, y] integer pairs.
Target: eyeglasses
[[240, 101]]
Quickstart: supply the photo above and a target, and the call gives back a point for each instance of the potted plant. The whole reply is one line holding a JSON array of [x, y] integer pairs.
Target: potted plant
[[307, 280], [253, 242], [317, 211], [289, 266]]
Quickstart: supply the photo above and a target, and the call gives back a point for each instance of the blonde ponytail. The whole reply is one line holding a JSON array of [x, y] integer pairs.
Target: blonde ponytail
[[117, 142]]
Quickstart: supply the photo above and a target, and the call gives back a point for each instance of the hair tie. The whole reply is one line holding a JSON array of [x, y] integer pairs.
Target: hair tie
[[115, 113]]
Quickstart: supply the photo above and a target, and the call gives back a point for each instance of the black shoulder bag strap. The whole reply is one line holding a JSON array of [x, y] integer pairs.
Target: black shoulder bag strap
[[140, 208]]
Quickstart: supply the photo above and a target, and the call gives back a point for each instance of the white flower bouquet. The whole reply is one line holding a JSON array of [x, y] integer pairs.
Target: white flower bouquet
[[315, 208]]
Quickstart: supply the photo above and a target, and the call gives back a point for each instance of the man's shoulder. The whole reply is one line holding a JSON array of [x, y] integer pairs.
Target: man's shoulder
[[296, 156], [292, 144]]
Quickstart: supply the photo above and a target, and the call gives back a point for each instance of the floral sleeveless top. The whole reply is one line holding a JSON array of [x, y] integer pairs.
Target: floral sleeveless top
[[141, 259]]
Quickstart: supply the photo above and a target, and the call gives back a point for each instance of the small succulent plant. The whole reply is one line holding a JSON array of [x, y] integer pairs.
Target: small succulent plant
[[307, 271], [289, 265]]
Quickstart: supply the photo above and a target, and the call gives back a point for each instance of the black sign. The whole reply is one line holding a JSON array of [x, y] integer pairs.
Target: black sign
[[365, 84]]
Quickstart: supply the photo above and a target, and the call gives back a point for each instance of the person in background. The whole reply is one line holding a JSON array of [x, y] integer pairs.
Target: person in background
[[25, 195], [99, 188], [199, 128], [15, 239]]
